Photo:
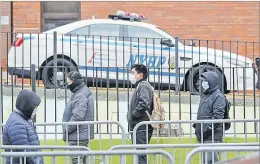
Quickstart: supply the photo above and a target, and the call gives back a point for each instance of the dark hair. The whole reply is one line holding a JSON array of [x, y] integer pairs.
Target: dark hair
[[140, 68], [73, 75]]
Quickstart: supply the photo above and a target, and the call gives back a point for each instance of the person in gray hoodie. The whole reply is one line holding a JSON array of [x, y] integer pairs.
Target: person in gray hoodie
[[212, 106], [19, 128], [80, 107]]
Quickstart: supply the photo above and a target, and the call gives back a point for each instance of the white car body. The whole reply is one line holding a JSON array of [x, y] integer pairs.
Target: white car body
[[36, 48]]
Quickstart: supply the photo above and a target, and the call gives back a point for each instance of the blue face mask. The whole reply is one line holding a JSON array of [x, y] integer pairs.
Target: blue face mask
[[205, 85]]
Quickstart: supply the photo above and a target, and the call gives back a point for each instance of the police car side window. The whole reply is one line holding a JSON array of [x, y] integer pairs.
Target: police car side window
[[104, 31], [80, 32], [144, 35]]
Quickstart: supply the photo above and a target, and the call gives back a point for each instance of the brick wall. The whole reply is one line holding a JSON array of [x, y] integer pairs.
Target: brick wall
[[223, 21], [5, 31], [28, 20], [227, 21]]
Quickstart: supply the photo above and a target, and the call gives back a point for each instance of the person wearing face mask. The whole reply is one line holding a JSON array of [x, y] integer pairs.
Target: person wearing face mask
[[212, 106], [80, 107], [142, 100], [19, 128]]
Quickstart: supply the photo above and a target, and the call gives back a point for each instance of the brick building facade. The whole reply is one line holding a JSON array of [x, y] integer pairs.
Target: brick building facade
[[223, 21]]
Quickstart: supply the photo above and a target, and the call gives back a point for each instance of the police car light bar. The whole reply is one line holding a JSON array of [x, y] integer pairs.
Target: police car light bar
[[127, 16]]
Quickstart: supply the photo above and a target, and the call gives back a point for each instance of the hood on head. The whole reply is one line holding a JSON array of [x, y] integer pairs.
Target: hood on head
[[212, 78], [27, 101]]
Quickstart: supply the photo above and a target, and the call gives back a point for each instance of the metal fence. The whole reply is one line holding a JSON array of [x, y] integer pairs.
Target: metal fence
[[219, 149], [104, 133], [22, 155], [178, 151], [33, 148], [239, 129], [34, 59]]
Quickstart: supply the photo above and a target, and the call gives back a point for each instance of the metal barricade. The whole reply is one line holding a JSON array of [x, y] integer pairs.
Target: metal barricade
[[182, 130], [186, 134], [32, 147], [11, 148], [88, 154], [54, 131], [174, 148], [220, 149], [51, 134]]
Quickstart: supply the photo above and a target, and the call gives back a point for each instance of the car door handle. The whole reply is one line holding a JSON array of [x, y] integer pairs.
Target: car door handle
[[135, 46]]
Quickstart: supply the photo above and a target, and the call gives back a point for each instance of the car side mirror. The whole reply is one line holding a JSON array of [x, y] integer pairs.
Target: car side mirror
[[167, 42]]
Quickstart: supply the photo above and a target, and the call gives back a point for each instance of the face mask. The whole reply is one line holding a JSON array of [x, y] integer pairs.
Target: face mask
[[132, 79], [205, 85], [33, 113]]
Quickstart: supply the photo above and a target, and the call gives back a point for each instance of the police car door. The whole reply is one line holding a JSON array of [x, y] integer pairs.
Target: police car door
[[146, 48]]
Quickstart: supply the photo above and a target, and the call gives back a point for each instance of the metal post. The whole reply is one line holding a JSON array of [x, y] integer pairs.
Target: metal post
[[33, 81], [176, 66], [257, 61], [55, 57], [1, 110]]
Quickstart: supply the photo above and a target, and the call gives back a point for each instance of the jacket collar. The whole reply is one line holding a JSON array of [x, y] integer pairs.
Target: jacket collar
[[74, 90], [140, 81], [19, 112]]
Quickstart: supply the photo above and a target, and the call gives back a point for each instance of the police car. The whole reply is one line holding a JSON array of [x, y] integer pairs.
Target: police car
[[105, 49]]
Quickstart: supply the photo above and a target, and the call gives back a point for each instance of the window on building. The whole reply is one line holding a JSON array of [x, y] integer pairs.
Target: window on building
[[142, 34], [55, 14]]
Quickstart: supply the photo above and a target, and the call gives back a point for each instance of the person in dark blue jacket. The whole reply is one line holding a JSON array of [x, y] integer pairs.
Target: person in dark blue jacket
[[212, 107], [19, 128]]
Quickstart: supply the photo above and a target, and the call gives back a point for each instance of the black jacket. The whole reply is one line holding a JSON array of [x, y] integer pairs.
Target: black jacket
[[212, 106], [142, 100]]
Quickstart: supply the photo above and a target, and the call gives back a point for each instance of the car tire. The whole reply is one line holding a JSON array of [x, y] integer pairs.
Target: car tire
[[193, 78], [48, 71]]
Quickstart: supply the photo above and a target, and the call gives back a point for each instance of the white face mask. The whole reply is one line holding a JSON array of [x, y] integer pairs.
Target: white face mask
[[205, 85], [33, 113], [132, 79]]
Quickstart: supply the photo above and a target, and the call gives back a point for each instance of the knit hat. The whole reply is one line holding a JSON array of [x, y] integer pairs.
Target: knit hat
[[74, 75]]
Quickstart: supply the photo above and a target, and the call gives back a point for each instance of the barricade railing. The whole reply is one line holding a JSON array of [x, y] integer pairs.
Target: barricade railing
[[182, 129], [219, 149], [105, 154], [173, 148], [15, 148], [51, 147], [52, 134]]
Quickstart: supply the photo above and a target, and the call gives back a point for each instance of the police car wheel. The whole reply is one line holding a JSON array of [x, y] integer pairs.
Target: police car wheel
[[48, 73], [193, 78]]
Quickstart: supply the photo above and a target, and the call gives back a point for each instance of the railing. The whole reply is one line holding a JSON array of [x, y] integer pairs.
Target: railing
[[105, 62]]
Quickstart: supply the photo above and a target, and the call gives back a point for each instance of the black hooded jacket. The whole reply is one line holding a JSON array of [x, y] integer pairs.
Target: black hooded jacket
[[212, 106]]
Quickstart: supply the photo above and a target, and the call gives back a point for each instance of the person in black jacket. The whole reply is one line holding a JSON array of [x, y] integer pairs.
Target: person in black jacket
[[212, 106], [142, 100]]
